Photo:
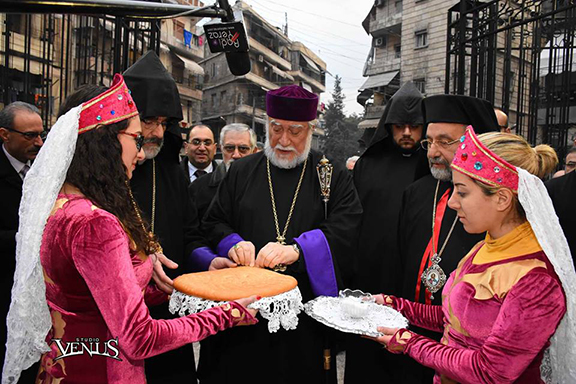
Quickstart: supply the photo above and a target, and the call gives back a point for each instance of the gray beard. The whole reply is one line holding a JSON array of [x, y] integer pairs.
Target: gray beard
[[286, 164], [152, 152], [441, 174]]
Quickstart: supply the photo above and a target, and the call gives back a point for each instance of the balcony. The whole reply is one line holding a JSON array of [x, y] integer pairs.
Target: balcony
[[383, 66], [386, 20], [374, 111], [194, 52], [269, 54]]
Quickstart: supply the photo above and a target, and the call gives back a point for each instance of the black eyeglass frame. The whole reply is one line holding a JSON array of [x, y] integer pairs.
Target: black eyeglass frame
[[138, 138], [29, 135], [230, 148]]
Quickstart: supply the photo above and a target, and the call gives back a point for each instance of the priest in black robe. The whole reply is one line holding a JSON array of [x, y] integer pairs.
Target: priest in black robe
[[446, 117], [562, 191], [313, 240], [160, 188], [381, 174]]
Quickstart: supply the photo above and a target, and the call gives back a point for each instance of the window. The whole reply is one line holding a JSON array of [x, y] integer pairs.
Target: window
[[421, 85], [178, 30], [214, 70], [397, 51], [398, 5], [422, 38], [214, 100], [239, 98], [222, 97]]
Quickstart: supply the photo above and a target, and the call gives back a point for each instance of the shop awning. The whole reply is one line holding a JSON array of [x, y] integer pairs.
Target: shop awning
[[380, 80], [191, 65], [368, 123]]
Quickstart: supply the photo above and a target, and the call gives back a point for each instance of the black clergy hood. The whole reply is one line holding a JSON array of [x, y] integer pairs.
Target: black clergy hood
[[405, 107], [153, 89], [460, 109], [156, 94]]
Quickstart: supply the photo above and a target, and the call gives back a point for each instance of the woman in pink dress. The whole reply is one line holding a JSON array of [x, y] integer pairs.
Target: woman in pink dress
[[97, 260], [510, 294]]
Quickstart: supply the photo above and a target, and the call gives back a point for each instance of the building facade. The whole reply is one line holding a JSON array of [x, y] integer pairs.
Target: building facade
[[275, 60]]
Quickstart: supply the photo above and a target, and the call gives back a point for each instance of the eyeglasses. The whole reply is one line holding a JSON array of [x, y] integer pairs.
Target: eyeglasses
[[138, 138], [153, 123], [427, 143], [198, 142], [243, 149], [30, 135]]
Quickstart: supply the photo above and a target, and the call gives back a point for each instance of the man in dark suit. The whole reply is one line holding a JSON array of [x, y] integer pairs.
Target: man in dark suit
[[200, 151], [236, 141], [22, 134]]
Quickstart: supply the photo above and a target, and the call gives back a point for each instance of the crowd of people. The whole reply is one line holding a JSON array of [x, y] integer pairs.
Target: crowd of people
[[445, 218]]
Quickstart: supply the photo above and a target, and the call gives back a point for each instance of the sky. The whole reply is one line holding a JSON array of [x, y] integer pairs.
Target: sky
[[332, 29]]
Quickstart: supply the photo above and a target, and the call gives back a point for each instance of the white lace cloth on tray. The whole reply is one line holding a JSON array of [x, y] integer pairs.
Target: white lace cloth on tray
[[330, 311], [558, 366], [29, 318], [280, 310]]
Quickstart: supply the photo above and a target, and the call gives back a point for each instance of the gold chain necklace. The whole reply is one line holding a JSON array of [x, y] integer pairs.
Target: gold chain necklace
[[155, 247], [281, 238], [434, 277]]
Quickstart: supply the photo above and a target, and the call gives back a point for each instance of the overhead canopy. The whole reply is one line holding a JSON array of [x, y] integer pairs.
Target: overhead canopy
[[311, 63], [279, 72], [380, 80], [368, 123], [191, 65]]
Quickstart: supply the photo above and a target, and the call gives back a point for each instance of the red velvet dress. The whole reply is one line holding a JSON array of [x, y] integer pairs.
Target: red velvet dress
[[499, 309], [98, 288]]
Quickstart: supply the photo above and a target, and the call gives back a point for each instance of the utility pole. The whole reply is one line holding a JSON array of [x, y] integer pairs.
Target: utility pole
[[286, 25]]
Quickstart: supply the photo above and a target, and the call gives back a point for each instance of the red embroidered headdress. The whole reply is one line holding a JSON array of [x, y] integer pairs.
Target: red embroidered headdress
[[475, 160], [112, 106]]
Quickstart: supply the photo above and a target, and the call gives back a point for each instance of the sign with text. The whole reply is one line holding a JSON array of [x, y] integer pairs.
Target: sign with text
[[226, 37]]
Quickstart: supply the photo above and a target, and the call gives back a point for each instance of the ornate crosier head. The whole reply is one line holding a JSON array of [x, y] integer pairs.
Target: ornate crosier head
[[475, 160], [112, 106]]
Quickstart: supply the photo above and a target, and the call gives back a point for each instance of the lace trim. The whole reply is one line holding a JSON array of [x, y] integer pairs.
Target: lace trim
[[280, 310], [29, 318], [558, 363]]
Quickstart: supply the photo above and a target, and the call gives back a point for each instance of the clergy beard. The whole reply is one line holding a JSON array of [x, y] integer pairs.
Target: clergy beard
[[407, 151], [151, 151], [282, 163], [440, 174]]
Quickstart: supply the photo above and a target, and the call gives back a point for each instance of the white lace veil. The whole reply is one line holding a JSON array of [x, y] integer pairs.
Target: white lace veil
[[559, 365], [29, 318]]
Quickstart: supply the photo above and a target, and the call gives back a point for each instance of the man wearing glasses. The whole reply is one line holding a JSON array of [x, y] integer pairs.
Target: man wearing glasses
[[236, 141], [22, 135], [200, 149], [161, 190], [425, 202]]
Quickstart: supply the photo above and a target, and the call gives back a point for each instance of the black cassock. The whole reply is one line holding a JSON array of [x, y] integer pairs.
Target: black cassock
[[562, 191], [176, 226], [414, 233], [242, 209]]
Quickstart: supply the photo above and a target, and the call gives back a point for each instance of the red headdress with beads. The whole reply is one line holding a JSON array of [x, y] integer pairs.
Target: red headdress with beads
[[475, 160], [110, 107]]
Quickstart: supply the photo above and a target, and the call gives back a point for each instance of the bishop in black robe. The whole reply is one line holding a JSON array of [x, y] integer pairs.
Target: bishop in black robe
[[381, 174], [324, 234], [175, 217], [415, 223]]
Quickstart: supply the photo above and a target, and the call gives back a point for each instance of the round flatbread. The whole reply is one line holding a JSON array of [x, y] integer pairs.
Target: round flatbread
[[234, 283]]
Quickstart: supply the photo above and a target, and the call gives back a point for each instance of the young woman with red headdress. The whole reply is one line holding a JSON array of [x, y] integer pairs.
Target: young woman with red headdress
[[513, 295], [85, 258]]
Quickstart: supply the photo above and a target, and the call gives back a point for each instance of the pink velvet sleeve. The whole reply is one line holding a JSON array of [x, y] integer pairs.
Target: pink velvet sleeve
[[154, 296], [421, 315], [527, 319], [100, 253]]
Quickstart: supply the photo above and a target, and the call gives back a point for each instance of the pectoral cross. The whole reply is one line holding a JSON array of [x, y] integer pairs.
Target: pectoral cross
[[281, 240]]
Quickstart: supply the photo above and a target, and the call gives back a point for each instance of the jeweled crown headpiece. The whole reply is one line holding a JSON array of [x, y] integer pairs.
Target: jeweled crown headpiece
[[110, 107], [474, 159]]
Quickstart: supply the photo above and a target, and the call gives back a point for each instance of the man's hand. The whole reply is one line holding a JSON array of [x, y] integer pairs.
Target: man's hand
[[273, 254], [221, 263], [164, 283], [243, 253]]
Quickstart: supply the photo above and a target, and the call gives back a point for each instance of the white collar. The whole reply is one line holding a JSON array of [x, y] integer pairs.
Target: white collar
[[16, 164], [193, 169]]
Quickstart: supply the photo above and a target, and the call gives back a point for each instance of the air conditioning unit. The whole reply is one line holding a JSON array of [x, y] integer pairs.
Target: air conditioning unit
[[378, 3], [261, 58], [379, 41]]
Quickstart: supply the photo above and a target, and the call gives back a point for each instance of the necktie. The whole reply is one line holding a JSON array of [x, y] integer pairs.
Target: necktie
[[199, 172], [24, 171]]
